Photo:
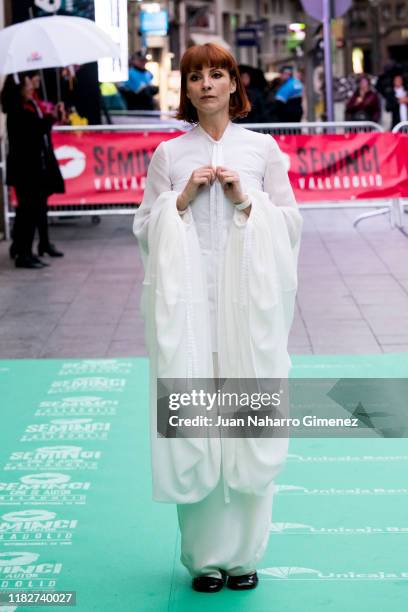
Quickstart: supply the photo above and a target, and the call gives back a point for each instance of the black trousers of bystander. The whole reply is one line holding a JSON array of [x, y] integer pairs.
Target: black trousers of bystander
[[31, 214]]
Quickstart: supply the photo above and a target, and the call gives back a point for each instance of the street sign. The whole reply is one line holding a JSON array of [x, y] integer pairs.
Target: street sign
[[280, 29], [246, 37], [258, 25], [315, 8], [156, 24]]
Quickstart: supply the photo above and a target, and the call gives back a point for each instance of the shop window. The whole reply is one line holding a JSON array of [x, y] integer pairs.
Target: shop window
[[358, 18], [386, 11], [401, 11]]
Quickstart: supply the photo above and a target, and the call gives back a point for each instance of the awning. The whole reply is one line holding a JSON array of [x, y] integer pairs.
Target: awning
[[200, 39]]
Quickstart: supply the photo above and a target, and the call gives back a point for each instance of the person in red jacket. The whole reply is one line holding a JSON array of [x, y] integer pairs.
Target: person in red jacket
[[364, 104]]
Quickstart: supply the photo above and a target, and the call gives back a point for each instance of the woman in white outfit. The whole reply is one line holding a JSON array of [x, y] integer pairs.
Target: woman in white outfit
[[219, 234]]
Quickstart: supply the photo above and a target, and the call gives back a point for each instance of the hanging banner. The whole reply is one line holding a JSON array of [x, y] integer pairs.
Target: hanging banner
[[104, 168], [110, 168], [346, 166]]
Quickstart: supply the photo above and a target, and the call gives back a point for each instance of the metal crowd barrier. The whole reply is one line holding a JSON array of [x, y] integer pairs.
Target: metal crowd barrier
[[402, 128], [317, 127], [144, 113], [388, 206], [118, 117]]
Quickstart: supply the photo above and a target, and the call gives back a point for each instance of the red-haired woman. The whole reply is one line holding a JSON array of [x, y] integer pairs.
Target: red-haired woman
[[219, 232]]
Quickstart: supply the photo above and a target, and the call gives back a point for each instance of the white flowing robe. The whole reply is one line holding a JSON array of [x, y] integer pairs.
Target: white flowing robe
[[217, 281]]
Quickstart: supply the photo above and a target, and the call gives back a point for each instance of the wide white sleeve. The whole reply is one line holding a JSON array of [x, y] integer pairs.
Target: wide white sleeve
[[279, 189], [157, 181]]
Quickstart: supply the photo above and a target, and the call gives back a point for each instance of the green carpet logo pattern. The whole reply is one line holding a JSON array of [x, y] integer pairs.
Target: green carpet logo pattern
[[76, 511]]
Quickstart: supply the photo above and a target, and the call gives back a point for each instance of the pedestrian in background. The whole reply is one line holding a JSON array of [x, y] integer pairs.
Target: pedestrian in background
[[111, 97], [384, 83], [272, 115], [256, 96], [32, 169], [288, 97], [138, 91], [364, 104], [397, 101]]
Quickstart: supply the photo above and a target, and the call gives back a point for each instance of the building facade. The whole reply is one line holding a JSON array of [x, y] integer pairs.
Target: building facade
[[256, 31], [377, 33]]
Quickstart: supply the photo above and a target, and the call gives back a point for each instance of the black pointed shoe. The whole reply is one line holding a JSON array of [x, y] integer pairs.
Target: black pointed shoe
[[50, 250], [28, 262], [207, 584], [38, 260], [244, 582]]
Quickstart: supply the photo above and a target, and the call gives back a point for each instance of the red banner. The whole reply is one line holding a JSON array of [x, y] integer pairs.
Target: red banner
[[104, 168], [348, 166], [110, 168]]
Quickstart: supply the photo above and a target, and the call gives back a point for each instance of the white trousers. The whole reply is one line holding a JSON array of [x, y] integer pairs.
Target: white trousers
[[230, 535]]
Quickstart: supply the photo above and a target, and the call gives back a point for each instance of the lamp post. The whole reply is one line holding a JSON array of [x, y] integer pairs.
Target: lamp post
[[328, 71], [325, 11]]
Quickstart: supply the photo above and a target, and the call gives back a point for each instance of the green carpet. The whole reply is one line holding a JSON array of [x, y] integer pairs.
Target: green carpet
[[79, 517]]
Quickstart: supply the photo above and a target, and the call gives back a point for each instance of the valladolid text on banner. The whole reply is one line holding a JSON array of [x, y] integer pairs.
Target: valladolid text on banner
[[331, 167]]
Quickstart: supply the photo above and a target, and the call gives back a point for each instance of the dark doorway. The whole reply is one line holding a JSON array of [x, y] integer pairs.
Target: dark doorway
[[399, 53]]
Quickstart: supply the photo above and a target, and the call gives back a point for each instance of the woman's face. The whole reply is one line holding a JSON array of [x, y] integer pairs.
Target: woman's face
[[246, 79], [36, 81], [364, 84], [398, 82], [27, 90], [209, 90]]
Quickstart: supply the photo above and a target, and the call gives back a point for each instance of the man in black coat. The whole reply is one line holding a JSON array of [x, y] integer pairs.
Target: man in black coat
[[396, 101]]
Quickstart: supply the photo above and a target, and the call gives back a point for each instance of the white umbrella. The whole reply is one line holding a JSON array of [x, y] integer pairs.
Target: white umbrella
[[49, 42]]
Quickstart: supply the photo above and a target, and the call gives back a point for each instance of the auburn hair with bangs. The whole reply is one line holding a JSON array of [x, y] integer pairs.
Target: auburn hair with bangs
[[211, 56]]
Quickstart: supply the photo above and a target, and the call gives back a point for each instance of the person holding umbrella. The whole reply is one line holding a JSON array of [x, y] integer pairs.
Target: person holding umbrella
[[43, 42], [31, 169]]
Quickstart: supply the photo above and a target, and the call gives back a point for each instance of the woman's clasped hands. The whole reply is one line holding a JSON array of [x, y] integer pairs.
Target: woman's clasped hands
[[205, 176]]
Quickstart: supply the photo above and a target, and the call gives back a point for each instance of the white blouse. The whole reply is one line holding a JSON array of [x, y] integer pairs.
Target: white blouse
[[260, 165]]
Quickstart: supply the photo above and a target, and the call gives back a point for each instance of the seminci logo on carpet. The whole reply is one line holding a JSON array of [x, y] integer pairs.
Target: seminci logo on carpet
[[54, 457], [44, 488], [67, 429], [77, 406], [302, 529], [284, 489], [96, 366], [36, 527], [309, 573], [23, 570], [346, 458], [88, 383]]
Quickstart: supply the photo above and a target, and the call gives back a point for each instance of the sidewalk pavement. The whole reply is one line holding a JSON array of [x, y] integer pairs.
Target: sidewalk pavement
[[352, 298]]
